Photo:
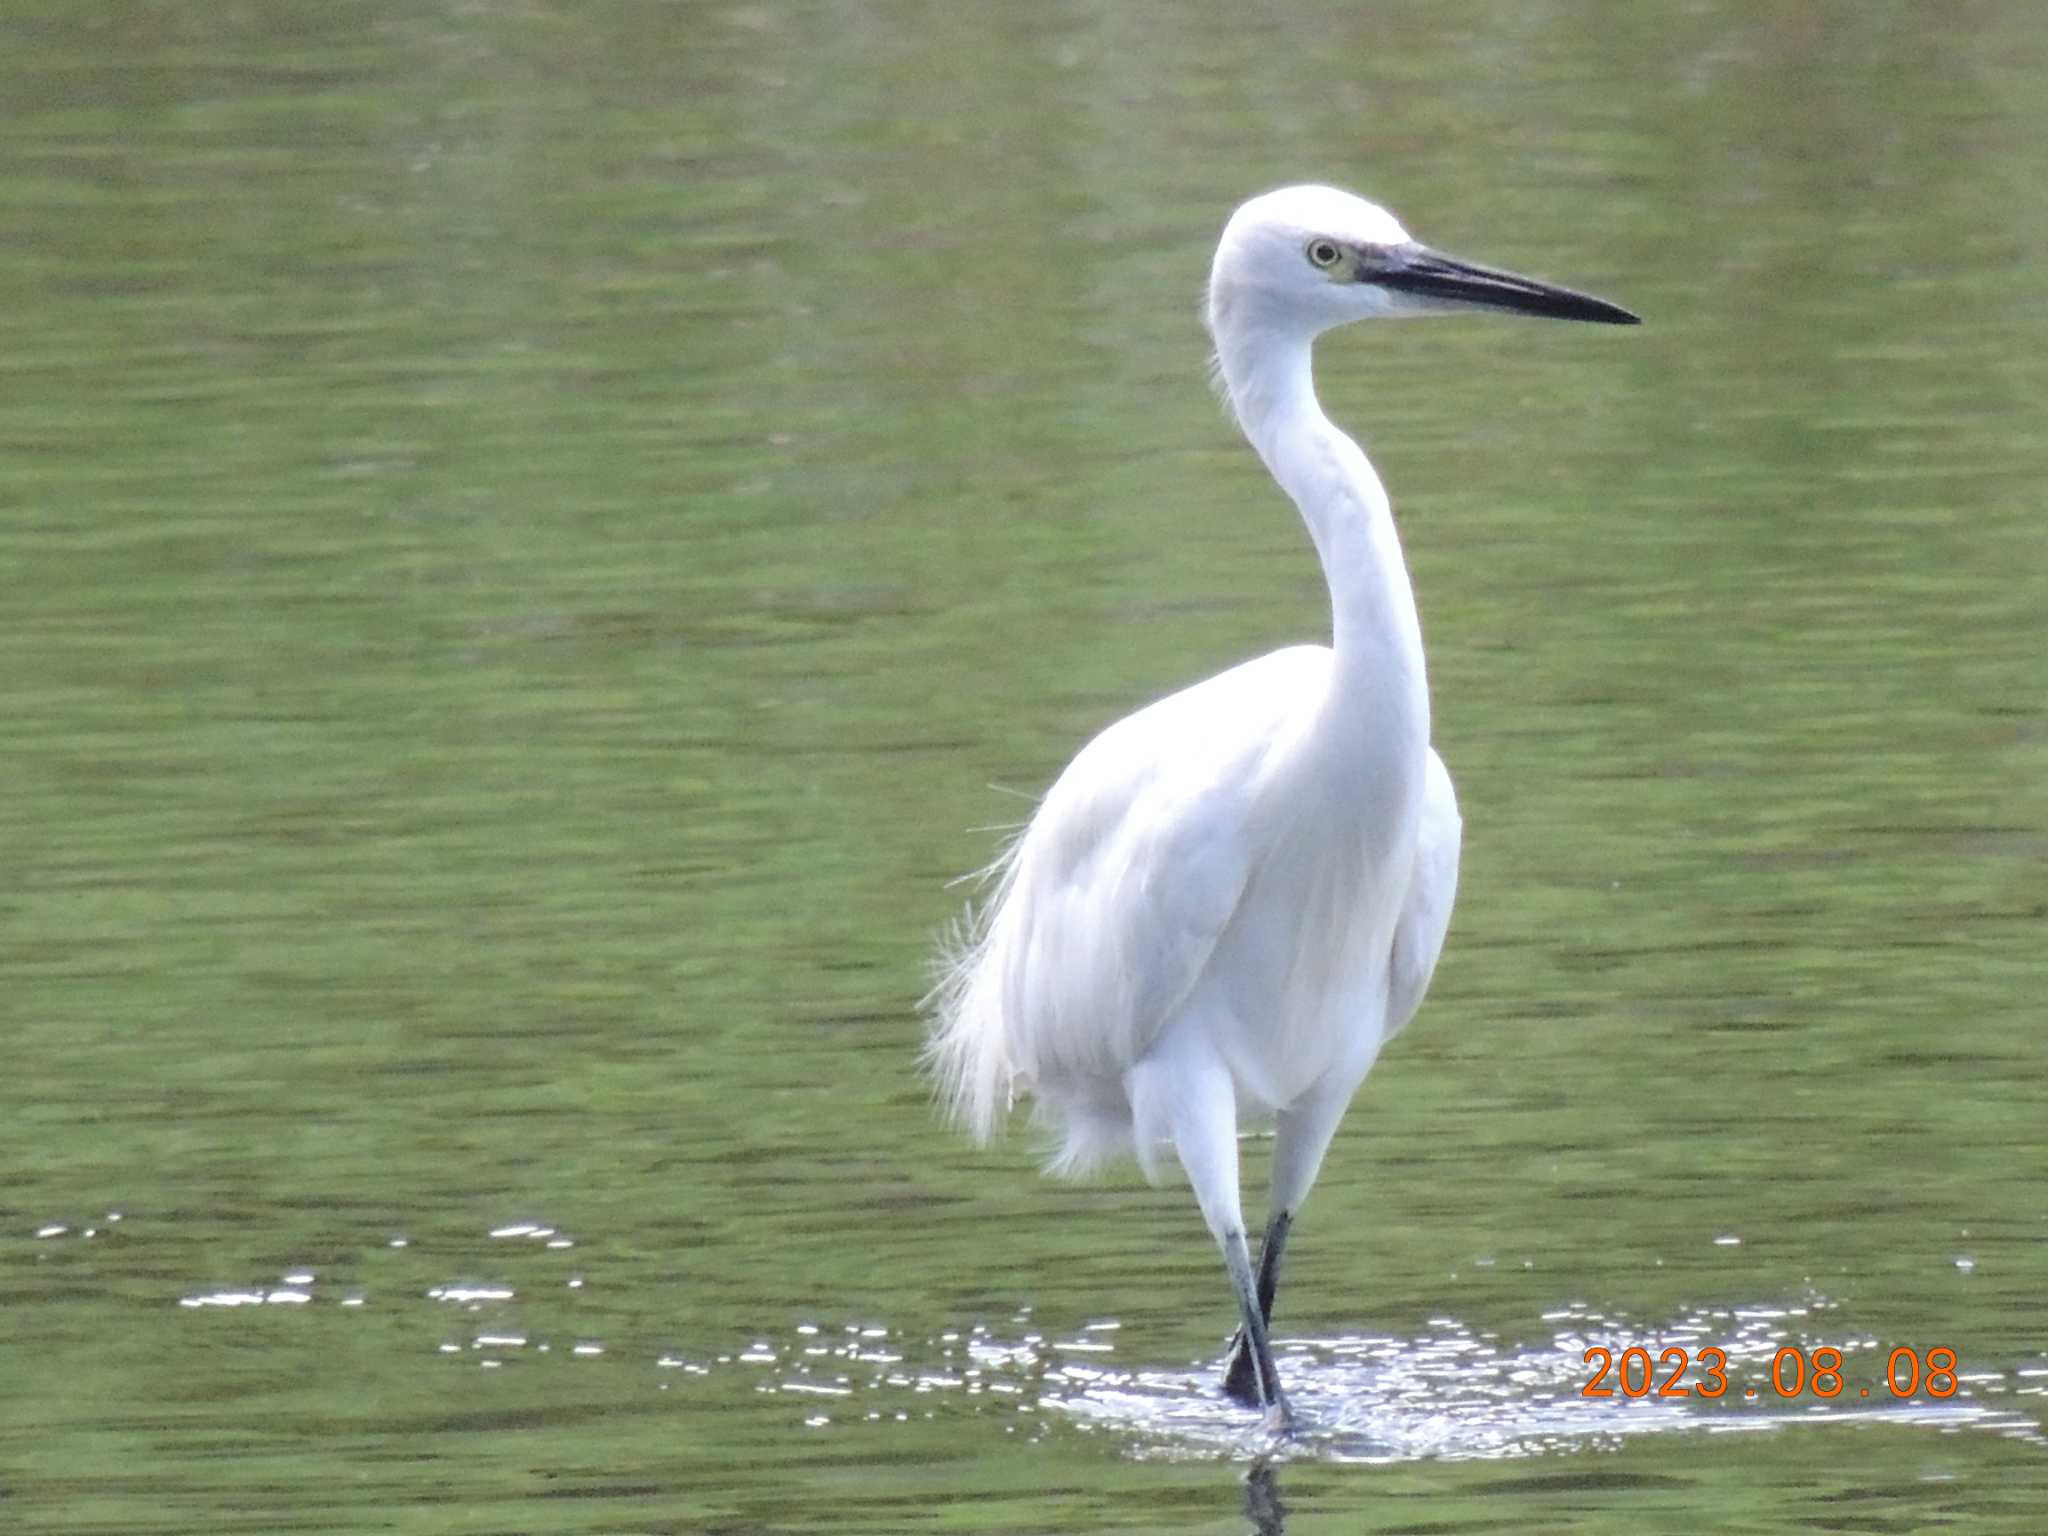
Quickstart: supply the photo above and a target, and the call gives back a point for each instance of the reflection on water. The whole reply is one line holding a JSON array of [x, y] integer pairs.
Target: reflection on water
[[1262, 1504], [1455, 1395], [1448, 1393]]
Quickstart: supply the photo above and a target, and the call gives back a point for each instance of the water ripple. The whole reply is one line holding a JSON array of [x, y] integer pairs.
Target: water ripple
[[1448, 1392], [1456, 1395]]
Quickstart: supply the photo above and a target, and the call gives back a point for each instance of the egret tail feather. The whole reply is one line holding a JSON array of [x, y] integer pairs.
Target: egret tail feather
[[966, 1053]]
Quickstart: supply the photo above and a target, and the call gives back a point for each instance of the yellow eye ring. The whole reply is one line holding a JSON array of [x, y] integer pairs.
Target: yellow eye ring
[[1323, 253]]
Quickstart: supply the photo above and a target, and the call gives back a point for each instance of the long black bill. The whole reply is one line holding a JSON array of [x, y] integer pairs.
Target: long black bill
[[1419, 270]]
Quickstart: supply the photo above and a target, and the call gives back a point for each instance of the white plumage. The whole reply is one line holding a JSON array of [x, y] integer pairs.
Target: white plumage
[[1230, 900]]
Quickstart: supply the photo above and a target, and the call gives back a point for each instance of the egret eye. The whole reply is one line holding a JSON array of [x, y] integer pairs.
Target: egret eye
[[1323, 253]]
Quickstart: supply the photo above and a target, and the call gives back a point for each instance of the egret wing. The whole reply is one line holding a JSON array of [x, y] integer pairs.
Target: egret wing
[[1426, 913], [1135, 864]]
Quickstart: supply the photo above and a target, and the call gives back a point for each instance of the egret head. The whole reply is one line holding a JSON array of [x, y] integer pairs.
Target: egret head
[[1304, 259]]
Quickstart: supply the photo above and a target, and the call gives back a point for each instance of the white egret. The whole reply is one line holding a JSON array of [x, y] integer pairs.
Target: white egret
[[1233, 898]]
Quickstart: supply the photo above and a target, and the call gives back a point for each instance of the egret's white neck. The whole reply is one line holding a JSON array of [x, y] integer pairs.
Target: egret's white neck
[[1376, 634]]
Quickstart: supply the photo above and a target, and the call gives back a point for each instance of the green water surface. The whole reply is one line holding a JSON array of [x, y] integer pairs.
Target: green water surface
[[536, 539]]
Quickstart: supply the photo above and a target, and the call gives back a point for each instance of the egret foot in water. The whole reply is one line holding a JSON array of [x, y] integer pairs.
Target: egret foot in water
[[1240, 1383]]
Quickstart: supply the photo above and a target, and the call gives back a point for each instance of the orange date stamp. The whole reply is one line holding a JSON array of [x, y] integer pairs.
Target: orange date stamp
[[1633, 1372]]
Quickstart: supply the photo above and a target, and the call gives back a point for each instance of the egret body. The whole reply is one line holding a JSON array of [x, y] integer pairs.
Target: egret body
[[1233, 898]]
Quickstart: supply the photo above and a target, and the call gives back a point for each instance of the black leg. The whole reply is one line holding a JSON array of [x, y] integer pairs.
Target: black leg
[[1240, 1383], [1265, 1374]]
